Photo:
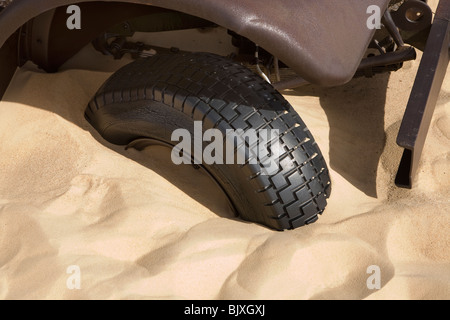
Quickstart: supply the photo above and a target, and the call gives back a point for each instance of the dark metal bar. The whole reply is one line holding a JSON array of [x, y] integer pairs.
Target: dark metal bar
[[424, 96], [392, 28], [399, 56], [391, 58]]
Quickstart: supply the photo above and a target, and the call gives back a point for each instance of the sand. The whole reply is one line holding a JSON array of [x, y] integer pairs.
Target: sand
[[139, 227]]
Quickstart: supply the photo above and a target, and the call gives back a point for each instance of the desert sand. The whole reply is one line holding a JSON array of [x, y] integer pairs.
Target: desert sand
[[139, 227]]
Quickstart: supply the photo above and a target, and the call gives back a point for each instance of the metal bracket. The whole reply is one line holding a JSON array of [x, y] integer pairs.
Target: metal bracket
[[424, 96]]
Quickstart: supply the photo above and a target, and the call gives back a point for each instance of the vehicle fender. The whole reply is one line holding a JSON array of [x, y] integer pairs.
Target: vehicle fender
[[322, 40]]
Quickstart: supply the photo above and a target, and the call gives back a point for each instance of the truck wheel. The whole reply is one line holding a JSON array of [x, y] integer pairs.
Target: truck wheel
[[153, 97]]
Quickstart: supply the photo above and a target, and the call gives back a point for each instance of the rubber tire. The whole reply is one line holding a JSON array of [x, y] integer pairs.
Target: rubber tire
[[152, 97]]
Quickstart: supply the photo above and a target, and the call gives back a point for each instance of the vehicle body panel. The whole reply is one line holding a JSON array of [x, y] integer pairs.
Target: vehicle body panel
[[322, 41]]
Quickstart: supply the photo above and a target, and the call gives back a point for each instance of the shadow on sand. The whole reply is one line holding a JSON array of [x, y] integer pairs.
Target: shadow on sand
[[357, 138]]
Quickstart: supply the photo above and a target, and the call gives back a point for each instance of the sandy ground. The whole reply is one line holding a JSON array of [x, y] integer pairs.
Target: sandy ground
[[139, 227]]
